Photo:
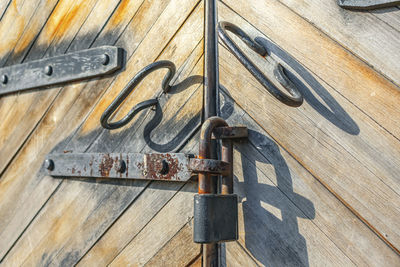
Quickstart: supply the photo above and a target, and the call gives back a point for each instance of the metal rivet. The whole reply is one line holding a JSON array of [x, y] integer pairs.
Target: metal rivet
[[4, 79], [105, 59], [120, 166], [49, 164], [48, 70]]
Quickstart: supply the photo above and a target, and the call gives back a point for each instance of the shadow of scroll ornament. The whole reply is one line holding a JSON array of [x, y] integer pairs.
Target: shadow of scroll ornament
[[330, 109]]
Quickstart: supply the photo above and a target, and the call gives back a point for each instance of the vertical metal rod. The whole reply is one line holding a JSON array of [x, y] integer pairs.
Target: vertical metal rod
[[211, 82], [211, 60], [227, 156]]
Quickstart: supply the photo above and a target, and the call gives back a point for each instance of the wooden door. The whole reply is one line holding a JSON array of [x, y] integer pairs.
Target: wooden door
[[318, 185]]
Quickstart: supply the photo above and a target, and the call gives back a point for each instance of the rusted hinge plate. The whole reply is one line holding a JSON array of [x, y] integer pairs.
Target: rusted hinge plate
[[61, 69], [367, 4], [153, 166]]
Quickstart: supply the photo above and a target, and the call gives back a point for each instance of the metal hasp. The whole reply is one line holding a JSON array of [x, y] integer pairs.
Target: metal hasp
[[216, 215], [75, 66], [367, 4], [175, 167]]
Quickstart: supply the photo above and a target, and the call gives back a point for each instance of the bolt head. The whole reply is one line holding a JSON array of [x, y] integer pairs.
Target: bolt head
[[120, 166], [49, 164], [4, 79], [163, 167], [48, 70], [105, 59]]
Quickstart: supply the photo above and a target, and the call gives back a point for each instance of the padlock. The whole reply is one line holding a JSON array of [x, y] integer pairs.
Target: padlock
[[215, 218]]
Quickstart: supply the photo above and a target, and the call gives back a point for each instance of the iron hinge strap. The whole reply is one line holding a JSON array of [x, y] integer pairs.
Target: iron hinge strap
[[74, 66]]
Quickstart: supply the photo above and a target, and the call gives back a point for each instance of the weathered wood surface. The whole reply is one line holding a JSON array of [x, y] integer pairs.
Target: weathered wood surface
[[351, 153], [317, 185]]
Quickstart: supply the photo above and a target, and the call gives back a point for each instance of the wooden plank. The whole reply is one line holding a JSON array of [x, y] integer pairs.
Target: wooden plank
[[19, 26], [4, 4], [55, 37], [152, 199], [179, 251], [363, 33], [196, 262], [67, 98], [119, 193], [352, 78], [286, 216], [176, 213], [390, 15], [30, 16], [338, 145], [237, 256], [273, 241]]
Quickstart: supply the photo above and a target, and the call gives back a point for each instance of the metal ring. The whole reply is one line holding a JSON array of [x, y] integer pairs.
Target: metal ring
[[294, 98], [128, 89]]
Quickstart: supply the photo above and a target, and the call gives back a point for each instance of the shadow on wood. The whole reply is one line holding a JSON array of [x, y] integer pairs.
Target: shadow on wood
[[278, 233], [330, 109]]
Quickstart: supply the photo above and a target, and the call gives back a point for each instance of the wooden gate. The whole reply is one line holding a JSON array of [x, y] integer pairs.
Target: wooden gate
[[318, 185]]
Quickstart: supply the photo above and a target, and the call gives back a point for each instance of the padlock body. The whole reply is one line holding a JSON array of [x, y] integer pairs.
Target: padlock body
[[215, 218]]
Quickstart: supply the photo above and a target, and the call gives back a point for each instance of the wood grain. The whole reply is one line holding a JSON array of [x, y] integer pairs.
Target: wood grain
[[55, 37], [269, 181], [364, 34], [352, 78], [123, 195], [179, 251], [328, 135]]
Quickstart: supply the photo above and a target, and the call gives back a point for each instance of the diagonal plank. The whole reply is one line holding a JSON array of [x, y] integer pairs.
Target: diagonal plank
[[237, 256], [364, 34], [285, 216], [361, 85], [176, 213], [20, 26], [102, 202], [334, 144], [62, 193], [266, 239], [19, 42], [4, 4], [28, 109], [12, 181], [179, 251]]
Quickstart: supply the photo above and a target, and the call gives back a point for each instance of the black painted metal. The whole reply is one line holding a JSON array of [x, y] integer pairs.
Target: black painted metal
[[294, 98], [75, 66], [215, 218], [367, 4], [104, 120], [211, 102]]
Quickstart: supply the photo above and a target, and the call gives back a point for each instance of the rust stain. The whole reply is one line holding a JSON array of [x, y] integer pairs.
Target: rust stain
[[61, 21], [119, 15], [156, 169], [10, 38], [106, 165]]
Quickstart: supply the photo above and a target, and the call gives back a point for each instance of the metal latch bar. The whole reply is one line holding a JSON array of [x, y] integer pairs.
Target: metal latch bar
[[60, 69], [150, 166]]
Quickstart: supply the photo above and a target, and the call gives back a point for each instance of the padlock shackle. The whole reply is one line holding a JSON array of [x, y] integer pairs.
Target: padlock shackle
[[227, 156], [205, 186]]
